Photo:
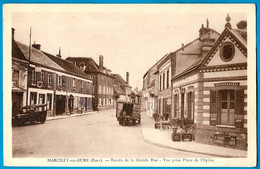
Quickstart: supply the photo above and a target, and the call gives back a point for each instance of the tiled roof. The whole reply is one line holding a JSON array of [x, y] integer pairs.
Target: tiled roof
[[16, 51], [119, 80], [37, 56], [200, 62], [68, 66], [90, 64], [118, 90]]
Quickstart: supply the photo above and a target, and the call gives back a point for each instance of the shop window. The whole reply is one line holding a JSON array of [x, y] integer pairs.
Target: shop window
[[33, 98], [190, 105], [227, 107], [176, 105]]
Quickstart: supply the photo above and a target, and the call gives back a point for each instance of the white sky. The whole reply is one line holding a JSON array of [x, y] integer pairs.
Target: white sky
[[130, 40]]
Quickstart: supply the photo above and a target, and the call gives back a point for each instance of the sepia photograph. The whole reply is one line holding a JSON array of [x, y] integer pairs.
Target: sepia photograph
[[156, 85]]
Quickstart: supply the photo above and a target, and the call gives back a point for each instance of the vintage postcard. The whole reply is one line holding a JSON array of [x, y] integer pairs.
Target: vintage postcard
[[129, 85]]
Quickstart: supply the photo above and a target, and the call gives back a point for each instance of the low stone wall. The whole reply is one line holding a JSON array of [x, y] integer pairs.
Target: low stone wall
[[221, 136]]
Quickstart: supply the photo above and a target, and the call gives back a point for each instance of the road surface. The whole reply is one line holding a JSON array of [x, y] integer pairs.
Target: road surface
[[90, 136]]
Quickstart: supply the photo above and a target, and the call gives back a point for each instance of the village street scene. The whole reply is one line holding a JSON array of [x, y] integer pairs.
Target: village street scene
[[188, 99]]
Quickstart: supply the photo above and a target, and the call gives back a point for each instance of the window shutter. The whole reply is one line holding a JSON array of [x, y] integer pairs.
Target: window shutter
[[239, 109], [213, 107]]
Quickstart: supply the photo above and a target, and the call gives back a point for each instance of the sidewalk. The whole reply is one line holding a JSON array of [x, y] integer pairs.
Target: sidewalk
[[68, 116], [163, 138]]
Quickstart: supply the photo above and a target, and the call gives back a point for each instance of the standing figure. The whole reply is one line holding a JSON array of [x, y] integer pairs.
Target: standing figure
[[70, 104]]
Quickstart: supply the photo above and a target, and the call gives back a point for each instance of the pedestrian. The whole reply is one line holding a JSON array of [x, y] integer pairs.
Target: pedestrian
[[70, 105]]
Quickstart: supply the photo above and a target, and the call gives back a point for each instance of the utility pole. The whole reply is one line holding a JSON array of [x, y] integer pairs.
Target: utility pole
[[28, 68]]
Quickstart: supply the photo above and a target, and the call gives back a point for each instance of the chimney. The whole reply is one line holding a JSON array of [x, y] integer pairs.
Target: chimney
[[127, 78], [203, 30], [13, 30], [59, 55], [36, 46], [100, 62], [182, 46]]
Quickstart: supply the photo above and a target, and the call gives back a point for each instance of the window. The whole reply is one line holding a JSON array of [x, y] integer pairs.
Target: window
[[42, 76], [160, 82], [163, 81], [73, 83], [15, 77], [176, 105], [82, 84], [93, 89], [59, 81], [167, 78], [33, 77], [227, 51], [92, 76], [49, 80], [227, 107]]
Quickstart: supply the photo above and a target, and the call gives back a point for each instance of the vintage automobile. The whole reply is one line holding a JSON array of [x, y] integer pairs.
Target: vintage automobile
[[128, 113], [30, 114]]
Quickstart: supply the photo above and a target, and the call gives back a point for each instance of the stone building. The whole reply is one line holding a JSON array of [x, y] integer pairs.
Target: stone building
[[103, 82], [213, 90]]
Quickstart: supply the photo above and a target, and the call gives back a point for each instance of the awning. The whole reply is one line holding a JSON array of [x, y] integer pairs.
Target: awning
[[18, 89]]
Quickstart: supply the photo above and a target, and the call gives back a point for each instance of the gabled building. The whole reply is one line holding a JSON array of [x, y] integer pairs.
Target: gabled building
[[150, 89], [19, 77], [213, 91], [51, 81], [103, 82], [176, 62], [122, 89]]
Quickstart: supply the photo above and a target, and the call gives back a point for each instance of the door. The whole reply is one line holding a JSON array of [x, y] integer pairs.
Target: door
[[190, 105], [33, 98], [182, 105], [49, 101], [60, 104]]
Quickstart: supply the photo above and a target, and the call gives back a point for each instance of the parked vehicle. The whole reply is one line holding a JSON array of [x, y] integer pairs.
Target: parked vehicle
[[30, 114], [129, 113]]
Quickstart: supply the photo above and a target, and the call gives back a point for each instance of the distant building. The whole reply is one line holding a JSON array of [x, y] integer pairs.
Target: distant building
[[103, 82], [150, 89], [122, 90], [52, 81]]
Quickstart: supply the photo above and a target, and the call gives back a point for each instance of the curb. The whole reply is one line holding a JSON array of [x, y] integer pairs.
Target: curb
[[69, 116], [189, 151]]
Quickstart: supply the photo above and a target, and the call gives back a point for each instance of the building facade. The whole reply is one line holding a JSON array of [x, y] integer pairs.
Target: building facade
[[122, 89], [103, 81], [150, 89], [53, 82], [213, 91]]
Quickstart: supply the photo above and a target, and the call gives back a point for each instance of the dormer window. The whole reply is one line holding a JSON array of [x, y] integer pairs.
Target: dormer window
[[227, 52], [82, 66]]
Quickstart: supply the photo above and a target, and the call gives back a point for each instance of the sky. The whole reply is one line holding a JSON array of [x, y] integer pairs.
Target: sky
[[131, 38]]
